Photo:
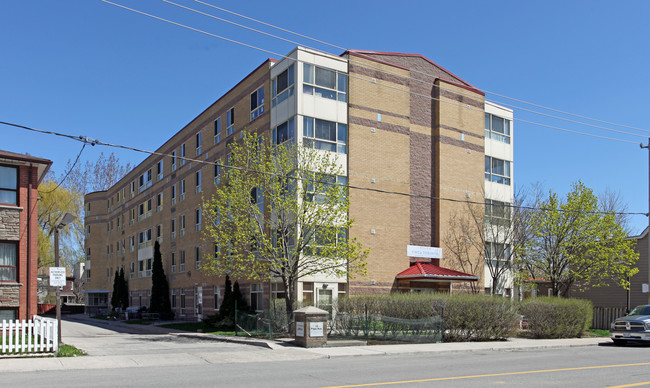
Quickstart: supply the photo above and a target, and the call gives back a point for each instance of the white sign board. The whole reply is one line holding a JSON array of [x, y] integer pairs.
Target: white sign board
[[57, 276], [316, 329], [426, 252], [300, 329]]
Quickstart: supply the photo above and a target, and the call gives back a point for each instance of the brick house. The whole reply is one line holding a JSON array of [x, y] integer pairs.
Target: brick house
[[20, 176], [395, 123]]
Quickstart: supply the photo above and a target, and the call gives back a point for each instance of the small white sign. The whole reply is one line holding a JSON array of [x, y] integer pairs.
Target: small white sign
[[316, 329], [57, 276], [644, 288], [300, 329], [425, 252]]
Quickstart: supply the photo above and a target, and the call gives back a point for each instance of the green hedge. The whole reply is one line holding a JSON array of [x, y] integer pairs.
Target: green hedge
[[552, 317], [467, 317]]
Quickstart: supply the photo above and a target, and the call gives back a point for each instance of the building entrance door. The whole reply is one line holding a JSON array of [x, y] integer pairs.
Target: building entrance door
[[325, 299]]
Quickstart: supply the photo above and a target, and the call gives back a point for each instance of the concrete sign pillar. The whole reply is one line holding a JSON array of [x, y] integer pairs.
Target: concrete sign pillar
[[311, 327]]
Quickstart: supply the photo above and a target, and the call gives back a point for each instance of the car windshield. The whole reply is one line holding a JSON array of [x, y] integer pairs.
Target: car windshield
[[640, 310]]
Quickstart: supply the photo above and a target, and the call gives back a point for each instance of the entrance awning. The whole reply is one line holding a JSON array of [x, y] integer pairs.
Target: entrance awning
[[422, 270]]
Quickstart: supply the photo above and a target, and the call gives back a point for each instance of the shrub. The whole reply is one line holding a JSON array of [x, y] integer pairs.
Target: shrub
[[552, 317], [473, 317], [467, 317]]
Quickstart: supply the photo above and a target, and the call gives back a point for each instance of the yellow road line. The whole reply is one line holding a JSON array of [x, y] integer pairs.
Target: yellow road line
[[496, 374], [632, 385]]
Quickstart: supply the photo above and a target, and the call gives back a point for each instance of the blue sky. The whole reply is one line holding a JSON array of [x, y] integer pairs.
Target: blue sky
[[84, 67]]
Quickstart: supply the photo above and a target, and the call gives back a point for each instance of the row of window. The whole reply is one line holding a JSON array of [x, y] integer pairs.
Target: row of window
[[9, 185], [497, 170], [317, 133], [497, 128]]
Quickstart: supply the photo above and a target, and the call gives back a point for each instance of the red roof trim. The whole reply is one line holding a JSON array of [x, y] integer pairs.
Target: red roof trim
[[425, 270], [467, 86]]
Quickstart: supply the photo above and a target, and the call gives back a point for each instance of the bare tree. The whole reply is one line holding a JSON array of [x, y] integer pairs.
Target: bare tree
[[612, 201], [488, 235]]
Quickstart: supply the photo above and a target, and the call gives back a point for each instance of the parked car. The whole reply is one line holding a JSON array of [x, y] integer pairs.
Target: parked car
[[633, 327]]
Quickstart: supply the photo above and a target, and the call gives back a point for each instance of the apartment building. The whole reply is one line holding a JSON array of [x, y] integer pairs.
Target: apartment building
[[401, 127], [20, 176]]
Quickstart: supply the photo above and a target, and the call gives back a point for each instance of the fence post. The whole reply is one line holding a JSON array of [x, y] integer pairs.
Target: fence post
[[235, 317], [367, 325]]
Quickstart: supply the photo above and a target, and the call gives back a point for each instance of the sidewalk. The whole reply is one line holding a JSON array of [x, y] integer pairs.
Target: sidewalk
[[263, 350]]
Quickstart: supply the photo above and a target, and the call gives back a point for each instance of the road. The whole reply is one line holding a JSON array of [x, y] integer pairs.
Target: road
[[234, 365]]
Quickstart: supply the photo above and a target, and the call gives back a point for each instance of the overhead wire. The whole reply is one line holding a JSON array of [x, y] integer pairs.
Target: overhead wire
[[348, 186], [295, 60], [429, 75]]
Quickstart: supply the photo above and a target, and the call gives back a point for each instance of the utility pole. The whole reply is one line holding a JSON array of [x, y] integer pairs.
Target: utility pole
[[648, 235]]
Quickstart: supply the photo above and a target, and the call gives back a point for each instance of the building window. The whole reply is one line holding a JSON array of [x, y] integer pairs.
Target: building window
[[173, 228], [173, 301], [257, 103], [497, 211], [324, 83], [174, 160], [317, 187], [498, 254], [182, 225], [282, 86], [173, 194], [8, 261], [144, 239], [132, 243], [197, 181], [183, 189], [144, 181], [257, 297], [217, 172], [497, 128], [197, 217], [324, 135], [182, 300], [307, 294], [284, 132], [159, 170], [132, 271], [173, 258], [497, 170], [182, 154], [159, 202], [230, 122], [217, 131], [159, 233], [181, 266], [277, 291], [257, 199], [198, 143], [197, 258]]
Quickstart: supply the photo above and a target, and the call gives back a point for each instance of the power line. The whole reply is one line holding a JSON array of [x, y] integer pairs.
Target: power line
[[68, 173], [424, 73], [271, 25], [297, 61], [199, 161]]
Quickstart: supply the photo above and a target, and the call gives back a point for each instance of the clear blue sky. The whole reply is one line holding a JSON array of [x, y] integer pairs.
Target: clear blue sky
[[84, 67]]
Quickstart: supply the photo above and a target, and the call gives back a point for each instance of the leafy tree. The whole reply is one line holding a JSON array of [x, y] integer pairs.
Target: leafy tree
[[239, 298], [574, 243], [54, 202], [280, 214], [159, 302], [228, 303]]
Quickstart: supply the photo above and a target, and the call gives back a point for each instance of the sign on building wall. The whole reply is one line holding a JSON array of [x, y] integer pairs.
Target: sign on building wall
[[425, 252], [300, 329], [57, 276]]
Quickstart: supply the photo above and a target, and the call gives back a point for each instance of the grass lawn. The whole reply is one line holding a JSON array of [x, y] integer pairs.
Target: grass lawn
[[69, 351], [598, 333]]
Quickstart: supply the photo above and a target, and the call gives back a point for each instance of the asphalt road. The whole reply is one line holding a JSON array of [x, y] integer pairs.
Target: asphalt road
[[236, 365], [601, 366]]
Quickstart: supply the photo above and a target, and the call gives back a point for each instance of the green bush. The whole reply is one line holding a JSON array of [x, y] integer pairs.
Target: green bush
[[475, 317], [467, 317], [552, 317]]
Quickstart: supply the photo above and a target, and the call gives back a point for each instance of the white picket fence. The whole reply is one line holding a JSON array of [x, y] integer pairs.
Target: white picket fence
[[36, 336]]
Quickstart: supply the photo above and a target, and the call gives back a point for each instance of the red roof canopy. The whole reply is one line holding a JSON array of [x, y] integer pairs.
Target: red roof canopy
[[422, 270]]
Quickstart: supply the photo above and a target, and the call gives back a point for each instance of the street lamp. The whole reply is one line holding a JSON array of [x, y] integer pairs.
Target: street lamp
[[67, 218]]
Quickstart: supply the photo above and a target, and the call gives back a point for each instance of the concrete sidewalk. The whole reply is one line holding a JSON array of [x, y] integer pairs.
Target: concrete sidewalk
[[263, 351]]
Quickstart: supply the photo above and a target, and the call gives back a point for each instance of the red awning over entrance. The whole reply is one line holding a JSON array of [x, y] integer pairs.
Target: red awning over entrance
[[422, 270]]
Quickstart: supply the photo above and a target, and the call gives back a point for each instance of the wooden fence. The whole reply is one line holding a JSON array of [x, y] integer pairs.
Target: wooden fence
[[604, 316], [36, 336]]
